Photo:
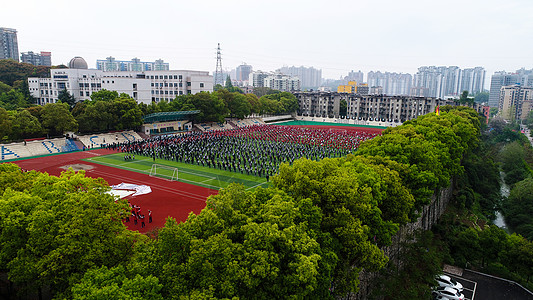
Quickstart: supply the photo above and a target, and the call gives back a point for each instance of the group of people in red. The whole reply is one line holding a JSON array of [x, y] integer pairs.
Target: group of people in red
[[138, 216]]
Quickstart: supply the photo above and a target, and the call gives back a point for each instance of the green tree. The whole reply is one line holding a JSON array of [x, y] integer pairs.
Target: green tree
[[5, 123], [104, 95], [4, 88], [24, 125], [65, 97], [262, 91], [228, 85], [14, 99], [343, 108], [11, 71], [286, 102], [255, 105], [126, 112], [57, 119], [482, 97], [114, 283], [212, 108], [518, 209], [237, 104], [95, 116]]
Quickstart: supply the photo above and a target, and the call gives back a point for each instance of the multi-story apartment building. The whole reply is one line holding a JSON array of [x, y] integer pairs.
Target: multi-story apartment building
[[368, 107], [282, 82], [110, 64], [391, 83], [8, 44], [310, 78], [515, 102], [257, 78], [37, 59], [145, 86], [499, 79]]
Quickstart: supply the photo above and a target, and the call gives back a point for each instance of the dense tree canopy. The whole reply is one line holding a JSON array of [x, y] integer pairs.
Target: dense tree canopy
[[53, 229], [57, 119]]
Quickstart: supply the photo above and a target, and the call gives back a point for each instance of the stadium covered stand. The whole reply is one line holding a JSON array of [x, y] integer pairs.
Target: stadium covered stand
[[168, 122]]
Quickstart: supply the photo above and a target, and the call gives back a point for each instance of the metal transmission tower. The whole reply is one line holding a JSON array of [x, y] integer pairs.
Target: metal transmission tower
[[218, 72]]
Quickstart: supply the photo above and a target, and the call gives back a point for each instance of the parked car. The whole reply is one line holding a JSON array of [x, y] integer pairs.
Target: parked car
[[448, 293], [445, 280]]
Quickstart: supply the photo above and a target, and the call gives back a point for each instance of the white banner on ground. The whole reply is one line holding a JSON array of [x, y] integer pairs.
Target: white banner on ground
[[139, 189]]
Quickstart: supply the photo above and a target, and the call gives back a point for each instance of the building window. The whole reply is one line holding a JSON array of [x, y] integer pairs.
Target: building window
[[188, 83], [181, 84], [175, 76], [180, 77], [166, 77], [81, 93], [87, 94], [201, 84]]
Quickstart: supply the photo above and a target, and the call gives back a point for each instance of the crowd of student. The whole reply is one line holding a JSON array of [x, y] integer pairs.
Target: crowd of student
[[138, 216], [256, 150]]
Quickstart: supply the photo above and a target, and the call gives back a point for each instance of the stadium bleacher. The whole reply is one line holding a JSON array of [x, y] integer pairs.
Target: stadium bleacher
[[35, 148], [98, 140]]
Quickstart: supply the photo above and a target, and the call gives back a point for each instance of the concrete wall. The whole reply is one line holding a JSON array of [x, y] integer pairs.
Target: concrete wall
[[429, 215]]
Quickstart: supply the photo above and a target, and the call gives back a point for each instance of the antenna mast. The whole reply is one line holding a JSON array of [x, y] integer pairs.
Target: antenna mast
[[218, 71]]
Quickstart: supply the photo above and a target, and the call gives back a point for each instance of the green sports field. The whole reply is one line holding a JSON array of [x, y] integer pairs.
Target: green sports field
[[193, 174]]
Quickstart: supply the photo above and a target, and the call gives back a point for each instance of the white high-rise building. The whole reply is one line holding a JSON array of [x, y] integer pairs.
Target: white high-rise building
[[392, 84], [445, 82], [472, 80]]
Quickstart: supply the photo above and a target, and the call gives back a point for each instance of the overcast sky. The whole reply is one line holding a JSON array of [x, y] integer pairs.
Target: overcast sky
[[336, 36]]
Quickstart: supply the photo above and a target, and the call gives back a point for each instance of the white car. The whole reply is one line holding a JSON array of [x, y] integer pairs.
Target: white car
[[448, 293], [445, 280]]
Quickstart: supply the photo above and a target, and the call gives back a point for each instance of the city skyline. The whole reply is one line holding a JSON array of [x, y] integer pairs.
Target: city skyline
[[336, 37]]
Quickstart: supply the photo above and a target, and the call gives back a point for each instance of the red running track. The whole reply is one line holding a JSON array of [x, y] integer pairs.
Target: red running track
[[168, 198]]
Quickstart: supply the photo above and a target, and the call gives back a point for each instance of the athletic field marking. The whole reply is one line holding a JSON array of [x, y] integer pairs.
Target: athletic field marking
[[190, 195], [197, 183], [257, 185], [93, 153]]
